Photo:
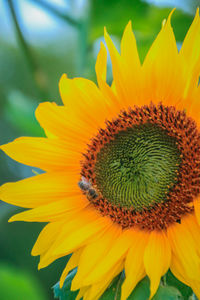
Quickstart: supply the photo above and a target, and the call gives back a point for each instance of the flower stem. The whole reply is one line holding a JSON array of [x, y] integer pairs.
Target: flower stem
[[38, 75], [69, 19]]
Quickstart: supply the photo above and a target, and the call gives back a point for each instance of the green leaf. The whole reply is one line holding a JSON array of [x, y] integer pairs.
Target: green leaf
[[168, 293], [142, 292], [16, 284], [171, 280]]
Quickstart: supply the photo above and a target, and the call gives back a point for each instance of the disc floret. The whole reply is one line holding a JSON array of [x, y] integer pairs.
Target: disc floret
[[145, 167]]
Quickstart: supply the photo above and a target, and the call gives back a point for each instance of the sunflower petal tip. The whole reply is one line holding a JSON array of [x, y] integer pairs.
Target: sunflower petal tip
[[12, 147], [12, 219], [61, 283], [106, 36], [2, 147], [6, 147], [173, 10], [102, 46], [63, 78], [33, 253], [197, 12], [64, 75], [105, 32], [128, 28], [152, 293], [41, 265], [168, 22], [164, 22], [129, 24], [42, 106]]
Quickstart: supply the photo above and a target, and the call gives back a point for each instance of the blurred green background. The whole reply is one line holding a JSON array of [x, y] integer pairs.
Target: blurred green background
[[39, 41]]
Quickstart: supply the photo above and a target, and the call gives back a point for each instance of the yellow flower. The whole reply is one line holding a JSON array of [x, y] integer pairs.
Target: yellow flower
[[122, 169]]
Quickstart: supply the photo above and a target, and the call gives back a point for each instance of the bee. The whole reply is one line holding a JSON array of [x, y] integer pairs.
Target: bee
[[87, 188]]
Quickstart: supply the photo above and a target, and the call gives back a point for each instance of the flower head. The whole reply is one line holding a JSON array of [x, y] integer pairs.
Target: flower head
[[122, 168]]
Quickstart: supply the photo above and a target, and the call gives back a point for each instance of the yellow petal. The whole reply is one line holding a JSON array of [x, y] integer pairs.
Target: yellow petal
[[61, 122], [116, 254], [72, 263], [101, 68], [197, 209], [118, 75], [97, 289], [180, 273], [134, 265], [177, 269], [82, 292], [95, 251], [41, 189], [131, 65], [192, 103], [87, 222], [190, 55], [79, 236], [83, 97], [53, 211], [46, 237], [162, 77], [101, 65], [191, 223], [129, 52], [185, 247], [43, 153], [157, 257], [70, 223]]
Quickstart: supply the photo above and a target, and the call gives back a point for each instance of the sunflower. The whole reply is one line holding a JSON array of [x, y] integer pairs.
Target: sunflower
[[121, 187]]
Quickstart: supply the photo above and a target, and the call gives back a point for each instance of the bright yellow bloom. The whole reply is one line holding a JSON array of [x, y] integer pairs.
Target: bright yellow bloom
[[122, 169]]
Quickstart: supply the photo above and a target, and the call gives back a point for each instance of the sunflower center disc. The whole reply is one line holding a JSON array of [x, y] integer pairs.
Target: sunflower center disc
[[138, 167]]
